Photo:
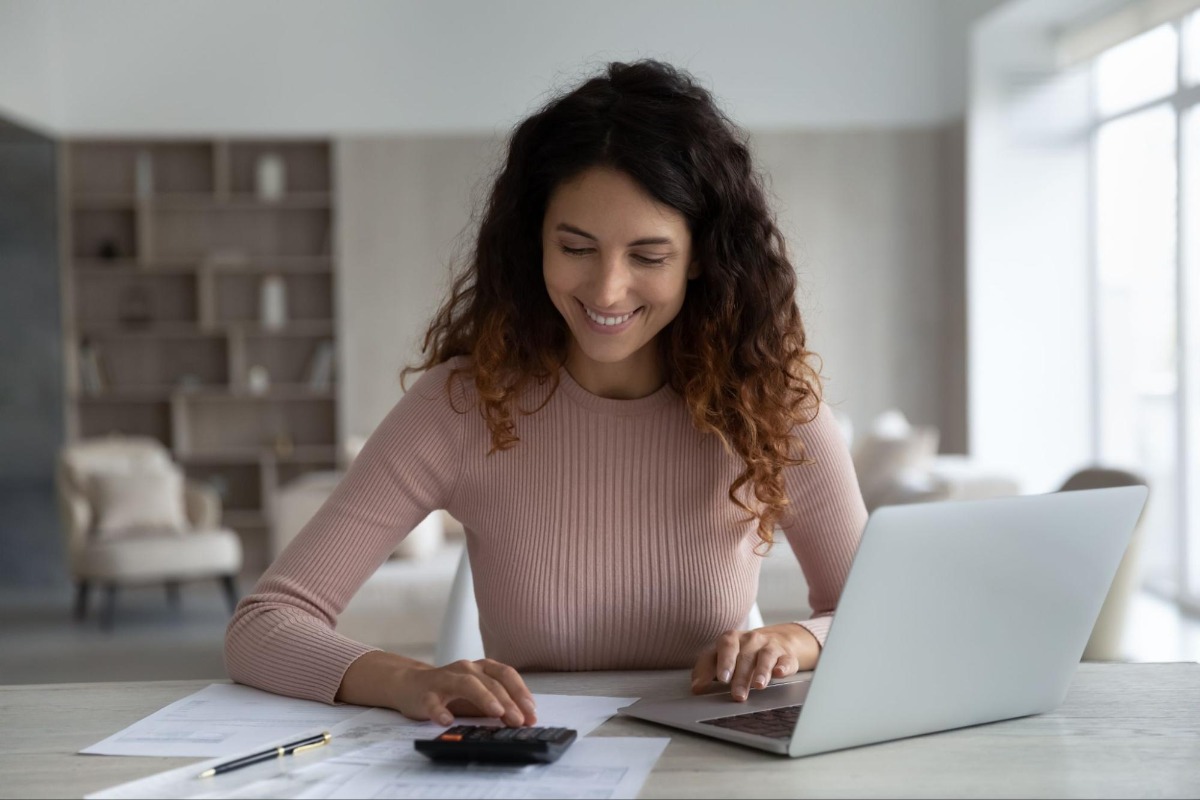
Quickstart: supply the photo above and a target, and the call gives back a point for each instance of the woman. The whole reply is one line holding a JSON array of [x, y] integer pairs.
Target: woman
[[630, 297]]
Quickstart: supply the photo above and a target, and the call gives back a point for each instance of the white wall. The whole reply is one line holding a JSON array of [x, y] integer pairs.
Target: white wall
[[409, 66], [30, 67], [1030, 405]]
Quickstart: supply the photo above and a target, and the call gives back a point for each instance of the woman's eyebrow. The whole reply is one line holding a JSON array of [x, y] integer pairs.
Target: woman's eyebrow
[[563, 226]]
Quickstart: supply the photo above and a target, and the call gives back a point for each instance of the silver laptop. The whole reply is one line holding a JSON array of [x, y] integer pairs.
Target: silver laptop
[[954, 613]]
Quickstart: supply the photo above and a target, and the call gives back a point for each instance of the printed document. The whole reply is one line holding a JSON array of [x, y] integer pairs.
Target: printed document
[[321, 771], [222, 720]]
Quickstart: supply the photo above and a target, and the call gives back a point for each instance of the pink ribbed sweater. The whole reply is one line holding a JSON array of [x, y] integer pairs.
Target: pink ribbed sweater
[[605, 539]]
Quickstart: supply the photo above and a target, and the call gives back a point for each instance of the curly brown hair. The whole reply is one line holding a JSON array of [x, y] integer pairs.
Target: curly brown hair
[[736, 350]]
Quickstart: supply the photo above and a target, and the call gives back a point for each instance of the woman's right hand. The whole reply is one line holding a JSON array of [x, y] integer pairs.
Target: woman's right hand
[[483, 688]]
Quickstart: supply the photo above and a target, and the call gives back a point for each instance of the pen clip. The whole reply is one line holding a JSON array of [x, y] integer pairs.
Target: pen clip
[[324, 740]]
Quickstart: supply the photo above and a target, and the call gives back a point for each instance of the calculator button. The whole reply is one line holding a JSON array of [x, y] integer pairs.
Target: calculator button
[[504, 734], [451, 737]]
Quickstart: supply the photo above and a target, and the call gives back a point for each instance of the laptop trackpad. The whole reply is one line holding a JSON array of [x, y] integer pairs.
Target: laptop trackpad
[[695, 708]]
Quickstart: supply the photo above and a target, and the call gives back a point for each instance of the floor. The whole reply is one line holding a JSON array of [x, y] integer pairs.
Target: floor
[[40, 642]]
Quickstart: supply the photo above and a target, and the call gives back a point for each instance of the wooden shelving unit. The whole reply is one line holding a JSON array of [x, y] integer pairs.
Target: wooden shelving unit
[[166, 245]]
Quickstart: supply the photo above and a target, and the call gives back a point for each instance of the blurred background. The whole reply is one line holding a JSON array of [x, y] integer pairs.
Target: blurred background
[[224, 227]]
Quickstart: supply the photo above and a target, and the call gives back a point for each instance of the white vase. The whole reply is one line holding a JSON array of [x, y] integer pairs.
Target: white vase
[[273, 302], [258, 380], [271, 177], [144, 174]]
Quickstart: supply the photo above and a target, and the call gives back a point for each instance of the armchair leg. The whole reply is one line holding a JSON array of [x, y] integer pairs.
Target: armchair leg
[[229, 582], [81, 600], [110, 607], [173, 594]]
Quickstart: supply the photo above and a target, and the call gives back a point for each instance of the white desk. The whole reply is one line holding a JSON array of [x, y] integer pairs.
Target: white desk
[[1125, 730]]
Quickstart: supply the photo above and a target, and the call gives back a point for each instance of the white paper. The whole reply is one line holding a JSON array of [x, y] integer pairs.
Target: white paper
[[598, 767], [321, 772], [223, 720]]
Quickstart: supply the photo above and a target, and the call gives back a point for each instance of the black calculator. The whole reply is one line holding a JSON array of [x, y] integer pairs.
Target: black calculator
[[529, 745]]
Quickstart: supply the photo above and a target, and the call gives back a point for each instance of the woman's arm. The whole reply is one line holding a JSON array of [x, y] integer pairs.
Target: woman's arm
[[824, 523], [282, 636], [826, 519]]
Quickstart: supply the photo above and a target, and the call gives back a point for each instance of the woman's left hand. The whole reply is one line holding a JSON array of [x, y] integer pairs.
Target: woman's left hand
[[749, 659]]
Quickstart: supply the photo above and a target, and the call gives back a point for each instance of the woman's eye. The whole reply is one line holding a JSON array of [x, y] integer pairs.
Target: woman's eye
[[572, 251]]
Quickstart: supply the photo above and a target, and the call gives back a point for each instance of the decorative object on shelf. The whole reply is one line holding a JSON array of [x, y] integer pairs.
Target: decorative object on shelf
[[273, 302], [258, 380], [189, 382], [133, 309], [219, 484], [144, 174], [283, 445], [271, 177], [320, 366], [91, 376], [108, 250]]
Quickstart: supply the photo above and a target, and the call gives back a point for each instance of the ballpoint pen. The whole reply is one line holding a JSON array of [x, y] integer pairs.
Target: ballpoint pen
[[267, 755]]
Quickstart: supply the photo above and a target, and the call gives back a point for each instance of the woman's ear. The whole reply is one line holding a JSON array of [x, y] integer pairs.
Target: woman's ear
[[693, 270]]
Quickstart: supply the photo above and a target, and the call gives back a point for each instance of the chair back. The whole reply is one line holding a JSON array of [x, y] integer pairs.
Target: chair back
[[79, 461], [1101, 478], [1105, 643]]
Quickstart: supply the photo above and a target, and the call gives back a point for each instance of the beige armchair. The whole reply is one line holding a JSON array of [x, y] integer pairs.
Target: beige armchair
[[130, 518]]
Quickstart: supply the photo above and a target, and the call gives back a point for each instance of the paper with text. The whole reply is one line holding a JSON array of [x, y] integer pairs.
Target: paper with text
[[319, 772], [222, 720]]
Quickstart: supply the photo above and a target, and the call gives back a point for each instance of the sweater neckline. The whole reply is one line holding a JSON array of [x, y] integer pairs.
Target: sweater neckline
[[610, 405]]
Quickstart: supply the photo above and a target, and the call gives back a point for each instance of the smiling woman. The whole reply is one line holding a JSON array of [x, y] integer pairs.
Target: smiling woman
[[630, 296], [615, 298]]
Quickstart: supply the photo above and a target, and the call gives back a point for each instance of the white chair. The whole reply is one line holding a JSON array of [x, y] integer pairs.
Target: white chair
[[197, 548], [1105, 642], [459, 636]]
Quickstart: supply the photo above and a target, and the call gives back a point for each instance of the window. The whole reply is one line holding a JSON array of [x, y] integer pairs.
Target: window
[[1146, 182]]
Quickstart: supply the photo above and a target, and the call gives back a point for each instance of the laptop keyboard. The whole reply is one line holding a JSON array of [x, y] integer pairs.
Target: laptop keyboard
[[774, 723]]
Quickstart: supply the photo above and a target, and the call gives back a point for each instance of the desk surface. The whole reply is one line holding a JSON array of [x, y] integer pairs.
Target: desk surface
[[1125, 730]]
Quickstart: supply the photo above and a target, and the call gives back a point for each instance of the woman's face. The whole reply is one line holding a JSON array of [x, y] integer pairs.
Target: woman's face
[[610, 248]]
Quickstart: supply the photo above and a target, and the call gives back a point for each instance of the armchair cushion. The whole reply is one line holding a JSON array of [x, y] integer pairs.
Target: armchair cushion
[[135, 502], [155, 558]]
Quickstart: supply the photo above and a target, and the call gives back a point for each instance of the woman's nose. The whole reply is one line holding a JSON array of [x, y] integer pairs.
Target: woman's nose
[[611, 283]]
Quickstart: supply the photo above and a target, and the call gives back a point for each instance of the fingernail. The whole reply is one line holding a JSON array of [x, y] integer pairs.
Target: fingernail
[[528, 705], [761, 681], [445, 719], [725, 676]]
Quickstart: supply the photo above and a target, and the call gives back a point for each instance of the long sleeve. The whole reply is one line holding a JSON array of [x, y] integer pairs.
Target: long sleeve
[[282, 636], [826, 519]]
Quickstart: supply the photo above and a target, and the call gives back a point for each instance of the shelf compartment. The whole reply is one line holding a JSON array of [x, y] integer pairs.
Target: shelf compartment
[[258, 232], [98, 229], [103, 299], [288, 360], [99, 418], [148, 362], [181, 169], [239, 485], [306, 165], [99, 169], [256, 425], [309, 297]]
